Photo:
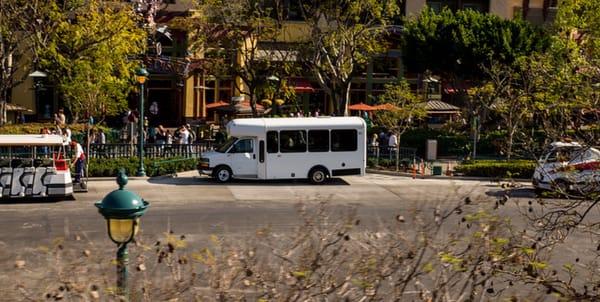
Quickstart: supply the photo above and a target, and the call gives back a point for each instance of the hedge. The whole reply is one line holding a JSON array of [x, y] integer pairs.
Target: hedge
[[100, 167], [494, 168]]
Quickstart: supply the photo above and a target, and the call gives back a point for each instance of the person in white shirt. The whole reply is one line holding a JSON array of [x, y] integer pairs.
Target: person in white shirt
[[184, 135], [393, 141], [78, 160]]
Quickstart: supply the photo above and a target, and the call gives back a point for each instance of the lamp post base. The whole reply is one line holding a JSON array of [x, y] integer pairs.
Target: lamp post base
[[140, 173], [122, 261]]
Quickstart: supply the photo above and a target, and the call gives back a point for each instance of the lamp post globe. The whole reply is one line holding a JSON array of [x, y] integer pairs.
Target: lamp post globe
[[141, 75], [122, 210]]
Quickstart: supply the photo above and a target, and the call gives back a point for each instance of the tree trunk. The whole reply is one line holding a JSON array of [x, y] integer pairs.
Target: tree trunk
[[2, 113], [345, 99], [398, 152], [509, 143]]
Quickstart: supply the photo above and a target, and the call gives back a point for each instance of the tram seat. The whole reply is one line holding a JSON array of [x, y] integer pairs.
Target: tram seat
[[42, 162], [21, 162], [4, 163]]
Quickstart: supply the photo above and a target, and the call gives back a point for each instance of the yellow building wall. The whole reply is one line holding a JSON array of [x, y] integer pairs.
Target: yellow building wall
[[414, 7], [502, 8], [188, 98], [24, 95], [506, 8], [294, 31]]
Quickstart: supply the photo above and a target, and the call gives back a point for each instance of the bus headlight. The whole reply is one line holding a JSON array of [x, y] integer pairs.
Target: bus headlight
[[204, 163]]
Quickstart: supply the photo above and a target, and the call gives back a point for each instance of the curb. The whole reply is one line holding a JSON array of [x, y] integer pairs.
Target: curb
[[472, 178]]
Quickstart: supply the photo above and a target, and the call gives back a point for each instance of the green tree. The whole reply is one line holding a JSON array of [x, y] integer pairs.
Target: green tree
[[89, 55], [233, 36], [18, 44], [406, 108], [343, 35], [456, 45]]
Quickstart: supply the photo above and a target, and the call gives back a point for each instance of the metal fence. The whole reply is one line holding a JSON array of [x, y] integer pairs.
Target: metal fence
[[389, 153], [150, 150]]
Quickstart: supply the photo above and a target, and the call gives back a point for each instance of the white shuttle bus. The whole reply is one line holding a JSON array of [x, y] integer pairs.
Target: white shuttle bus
[[289, 148]]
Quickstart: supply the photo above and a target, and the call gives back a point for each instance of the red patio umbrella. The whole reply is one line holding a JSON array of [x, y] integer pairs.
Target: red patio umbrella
[[361, 107]]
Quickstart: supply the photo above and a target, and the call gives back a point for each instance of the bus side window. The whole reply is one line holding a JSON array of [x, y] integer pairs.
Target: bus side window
[[292, 141], [272, 142], [343, 140], [318, 140]]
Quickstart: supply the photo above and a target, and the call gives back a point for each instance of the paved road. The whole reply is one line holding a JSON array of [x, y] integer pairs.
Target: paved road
[[197, 206]]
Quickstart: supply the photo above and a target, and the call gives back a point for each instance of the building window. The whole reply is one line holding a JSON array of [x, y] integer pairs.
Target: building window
[[225, 90], [209, 91], [293, 11]]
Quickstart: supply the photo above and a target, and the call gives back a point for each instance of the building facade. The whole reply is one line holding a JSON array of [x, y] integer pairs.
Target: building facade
[[184, 91]]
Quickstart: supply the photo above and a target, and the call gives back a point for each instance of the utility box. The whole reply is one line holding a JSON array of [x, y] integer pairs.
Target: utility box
[[431, 149]]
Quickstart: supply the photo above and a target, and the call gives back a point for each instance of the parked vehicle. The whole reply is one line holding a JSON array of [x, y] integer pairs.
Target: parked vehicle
[[316, 148], [568, 167], [34, 166]]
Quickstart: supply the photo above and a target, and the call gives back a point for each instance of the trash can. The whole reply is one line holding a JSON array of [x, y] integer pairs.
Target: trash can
[[437, 170]]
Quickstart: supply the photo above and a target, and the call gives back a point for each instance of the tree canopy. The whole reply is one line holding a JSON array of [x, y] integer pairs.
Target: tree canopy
[[90, 54], [344, 34], [455, 44]]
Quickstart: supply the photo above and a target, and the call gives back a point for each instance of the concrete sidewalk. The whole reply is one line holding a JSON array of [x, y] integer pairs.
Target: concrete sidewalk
[[419, 176]]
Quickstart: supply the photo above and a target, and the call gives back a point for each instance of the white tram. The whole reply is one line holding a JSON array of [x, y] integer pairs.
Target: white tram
[[34, 166]]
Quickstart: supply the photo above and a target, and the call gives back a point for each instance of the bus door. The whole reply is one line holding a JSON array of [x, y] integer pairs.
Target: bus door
[[243, 158], [262, 163]]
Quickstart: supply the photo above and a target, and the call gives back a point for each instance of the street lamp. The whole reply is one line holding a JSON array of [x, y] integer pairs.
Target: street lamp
[[141, 75], [122, 210]]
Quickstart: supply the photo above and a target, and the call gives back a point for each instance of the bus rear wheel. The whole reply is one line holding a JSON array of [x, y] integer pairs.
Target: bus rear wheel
[[222, 174], [318, 175]]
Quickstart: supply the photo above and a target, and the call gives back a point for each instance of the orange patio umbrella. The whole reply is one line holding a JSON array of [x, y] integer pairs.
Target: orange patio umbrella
[[361, 107], [386, 106], [218, 104]]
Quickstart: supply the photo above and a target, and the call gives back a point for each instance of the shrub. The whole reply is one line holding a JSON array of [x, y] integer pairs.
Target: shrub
[[106, 167], [493, 168]]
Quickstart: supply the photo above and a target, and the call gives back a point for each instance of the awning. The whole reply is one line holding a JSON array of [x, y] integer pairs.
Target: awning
[[302, 86], [441, 106], [361, 107], [15, 107], [218, 104]]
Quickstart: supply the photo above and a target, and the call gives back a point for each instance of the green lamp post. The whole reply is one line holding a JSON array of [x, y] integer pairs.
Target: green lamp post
[[141, 75], [122, 210]]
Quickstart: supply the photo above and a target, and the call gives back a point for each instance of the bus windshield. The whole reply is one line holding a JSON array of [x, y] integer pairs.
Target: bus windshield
[[227, 144]]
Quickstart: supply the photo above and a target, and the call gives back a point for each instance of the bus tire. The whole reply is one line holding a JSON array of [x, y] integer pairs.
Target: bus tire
[[318, 175], [222, 174]]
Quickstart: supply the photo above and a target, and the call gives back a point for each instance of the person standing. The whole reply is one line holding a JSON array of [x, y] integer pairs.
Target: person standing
[[78, 160], [60, 119]]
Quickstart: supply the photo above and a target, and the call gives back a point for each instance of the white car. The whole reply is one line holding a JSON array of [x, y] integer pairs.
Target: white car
[[568, 167]]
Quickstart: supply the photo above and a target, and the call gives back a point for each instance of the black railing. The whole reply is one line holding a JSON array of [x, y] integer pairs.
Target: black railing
[[385, 152], [150, 150]]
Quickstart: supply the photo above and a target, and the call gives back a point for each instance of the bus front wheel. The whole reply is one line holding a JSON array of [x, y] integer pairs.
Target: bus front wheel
[[223, 174], [318, 175]]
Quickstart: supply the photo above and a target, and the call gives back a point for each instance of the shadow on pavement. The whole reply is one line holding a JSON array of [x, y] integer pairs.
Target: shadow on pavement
[[206, 181], [30, 200], [516, 193]]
